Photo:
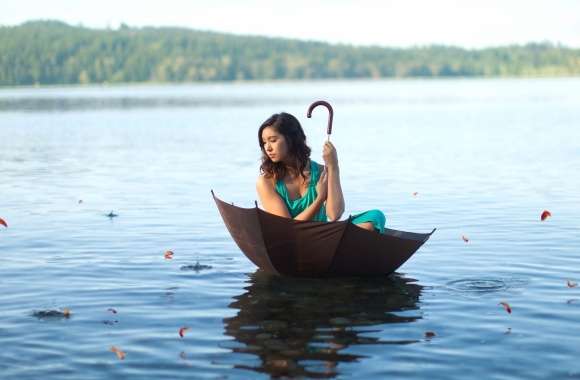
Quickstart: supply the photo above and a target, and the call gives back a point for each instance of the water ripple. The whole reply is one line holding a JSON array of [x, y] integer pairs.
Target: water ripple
[[485, 285]]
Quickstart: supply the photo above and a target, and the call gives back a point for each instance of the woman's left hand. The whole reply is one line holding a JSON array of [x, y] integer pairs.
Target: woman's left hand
[[329, 155]]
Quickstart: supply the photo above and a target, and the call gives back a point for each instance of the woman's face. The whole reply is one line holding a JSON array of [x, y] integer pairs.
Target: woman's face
[[274, 144]]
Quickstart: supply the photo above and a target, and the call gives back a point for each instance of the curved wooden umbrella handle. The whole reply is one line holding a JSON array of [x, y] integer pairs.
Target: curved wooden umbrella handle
[[330, 115]]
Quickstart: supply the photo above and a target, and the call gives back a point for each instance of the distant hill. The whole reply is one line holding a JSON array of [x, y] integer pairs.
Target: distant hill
[[52, 52]]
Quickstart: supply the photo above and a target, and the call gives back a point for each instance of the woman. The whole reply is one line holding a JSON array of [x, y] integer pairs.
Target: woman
[[292, 185]]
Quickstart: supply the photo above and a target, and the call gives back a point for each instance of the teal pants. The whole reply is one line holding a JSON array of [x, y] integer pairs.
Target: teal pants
[[376, 217]]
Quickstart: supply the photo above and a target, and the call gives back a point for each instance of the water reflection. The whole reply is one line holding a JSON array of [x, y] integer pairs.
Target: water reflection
[[301, 327], [55, 103]]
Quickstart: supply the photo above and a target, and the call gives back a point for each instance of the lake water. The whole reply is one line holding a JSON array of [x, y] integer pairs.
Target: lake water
[[485, 157]]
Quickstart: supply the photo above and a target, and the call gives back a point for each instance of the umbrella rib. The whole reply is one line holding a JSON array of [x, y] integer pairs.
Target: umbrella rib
[[340, 241], [267, 256]]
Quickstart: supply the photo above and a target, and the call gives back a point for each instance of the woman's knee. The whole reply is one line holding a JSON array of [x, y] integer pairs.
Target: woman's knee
[[379, 216], [366, 225]]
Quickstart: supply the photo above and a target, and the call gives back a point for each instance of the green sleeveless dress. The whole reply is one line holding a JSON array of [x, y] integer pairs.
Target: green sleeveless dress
[[296, 206]]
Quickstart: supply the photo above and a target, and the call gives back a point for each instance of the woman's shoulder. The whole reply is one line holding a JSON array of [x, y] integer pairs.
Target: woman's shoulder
[[265, 180]]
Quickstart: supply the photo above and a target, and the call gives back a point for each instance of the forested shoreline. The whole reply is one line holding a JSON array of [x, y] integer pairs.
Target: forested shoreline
[[55, 53]]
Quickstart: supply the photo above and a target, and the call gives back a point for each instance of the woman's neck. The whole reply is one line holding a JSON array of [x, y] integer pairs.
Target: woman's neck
[[293, 172]]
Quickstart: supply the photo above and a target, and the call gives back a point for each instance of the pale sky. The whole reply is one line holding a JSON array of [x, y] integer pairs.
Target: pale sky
[[399, 23]]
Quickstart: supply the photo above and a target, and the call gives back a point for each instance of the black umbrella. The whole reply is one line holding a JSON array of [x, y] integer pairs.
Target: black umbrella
[[301, 248]]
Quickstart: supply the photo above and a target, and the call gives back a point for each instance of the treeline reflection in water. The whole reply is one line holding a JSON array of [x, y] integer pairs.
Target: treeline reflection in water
[[64, 104], [302, 327]]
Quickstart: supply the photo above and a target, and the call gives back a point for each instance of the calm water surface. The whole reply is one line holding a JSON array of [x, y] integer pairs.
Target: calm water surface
[[485, 157]]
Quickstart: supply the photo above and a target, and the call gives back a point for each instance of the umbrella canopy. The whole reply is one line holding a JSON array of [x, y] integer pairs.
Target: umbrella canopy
[[301, 248]]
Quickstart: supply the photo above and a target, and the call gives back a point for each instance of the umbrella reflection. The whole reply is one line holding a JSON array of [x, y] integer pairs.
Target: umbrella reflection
[[300, 327]]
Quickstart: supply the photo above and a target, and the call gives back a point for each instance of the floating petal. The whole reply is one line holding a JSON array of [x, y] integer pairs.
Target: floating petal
[[506, 306], [545, 215], [120, 354]]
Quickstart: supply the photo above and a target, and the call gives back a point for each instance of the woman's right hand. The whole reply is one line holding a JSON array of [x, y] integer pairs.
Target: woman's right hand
[[322, 185]]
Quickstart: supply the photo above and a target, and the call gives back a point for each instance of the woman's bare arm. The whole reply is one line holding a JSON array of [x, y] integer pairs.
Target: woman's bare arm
[[310, 211], [270, 199], [335, 199], [272, 202], [321, 194]]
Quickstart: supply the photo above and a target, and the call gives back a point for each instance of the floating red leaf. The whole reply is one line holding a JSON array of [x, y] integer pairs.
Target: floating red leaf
[[3, 222], [182, 331], [572, 284], [545, 215], [168, 255], [120, 354], [506, 306]]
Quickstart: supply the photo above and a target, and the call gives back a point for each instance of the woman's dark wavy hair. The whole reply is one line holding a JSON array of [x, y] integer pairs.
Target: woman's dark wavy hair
[[298, 152]]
